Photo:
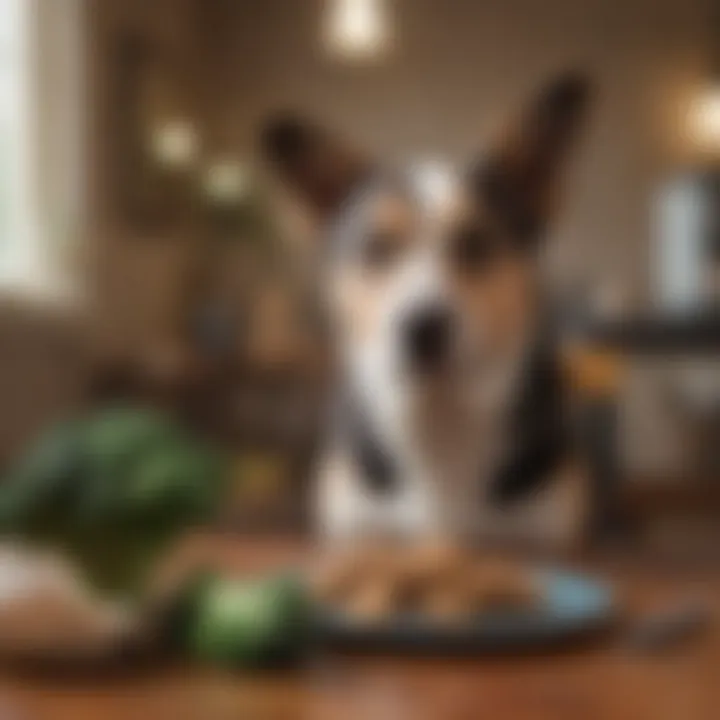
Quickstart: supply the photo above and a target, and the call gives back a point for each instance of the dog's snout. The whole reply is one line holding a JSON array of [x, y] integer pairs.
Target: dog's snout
[[427, 337]]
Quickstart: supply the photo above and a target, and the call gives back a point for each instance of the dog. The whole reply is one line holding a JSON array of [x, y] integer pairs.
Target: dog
[[451, 413]]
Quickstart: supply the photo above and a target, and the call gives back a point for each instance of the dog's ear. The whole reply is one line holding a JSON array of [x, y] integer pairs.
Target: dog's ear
[[520, 177], [319, 168]]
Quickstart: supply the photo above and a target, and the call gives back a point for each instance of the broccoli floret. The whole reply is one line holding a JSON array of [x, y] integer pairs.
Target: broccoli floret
[[112, 489], [241, 623]]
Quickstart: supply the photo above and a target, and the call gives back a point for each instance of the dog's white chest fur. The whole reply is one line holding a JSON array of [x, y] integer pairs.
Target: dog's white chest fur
[[445, 462], [451, 503]]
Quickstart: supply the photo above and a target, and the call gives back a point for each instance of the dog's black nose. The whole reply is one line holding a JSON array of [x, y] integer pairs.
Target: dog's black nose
[[427, 337]]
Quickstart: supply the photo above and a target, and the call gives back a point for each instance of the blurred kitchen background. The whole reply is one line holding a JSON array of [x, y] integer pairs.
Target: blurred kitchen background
[[145, 256]]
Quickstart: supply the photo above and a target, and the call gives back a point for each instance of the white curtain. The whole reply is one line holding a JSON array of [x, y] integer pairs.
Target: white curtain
[[42, 167]]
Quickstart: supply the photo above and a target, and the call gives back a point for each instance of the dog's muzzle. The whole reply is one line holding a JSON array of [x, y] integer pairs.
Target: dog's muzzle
[[426, 337]]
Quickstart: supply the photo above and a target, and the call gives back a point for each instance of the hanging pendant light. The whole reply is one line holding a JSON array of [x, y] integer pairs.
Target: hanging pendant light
[[704, 112], [357, 29], [705, 119]]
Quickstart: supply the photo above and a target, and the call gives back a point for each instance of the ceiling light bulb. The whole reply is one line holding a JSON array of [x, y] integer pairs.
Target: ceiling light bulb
[[226, 181], [174, 143], [357, 28], [705, 119]]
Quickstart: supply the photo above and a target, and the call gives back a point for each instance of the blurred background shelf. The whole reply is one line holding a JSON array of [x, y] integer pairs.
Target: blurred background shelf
[[696, 333]]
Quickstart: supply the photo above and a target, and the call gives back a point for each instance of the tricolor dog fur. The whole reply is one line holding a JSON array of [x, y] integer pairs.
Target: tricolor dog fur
[[450, 408]]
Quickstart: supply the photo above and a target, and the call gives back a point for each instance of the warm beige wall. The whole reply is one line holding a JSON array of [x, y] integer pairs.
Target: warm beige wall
[[459, 65], [136, 275]]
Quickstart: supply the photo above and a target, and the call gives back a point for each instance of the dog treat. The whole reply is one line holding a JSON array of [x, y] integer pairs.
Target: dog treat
[[445, 607], [344, 574], [433, 563], [436, 580], [451, 601], [501, 585], [374, 601]]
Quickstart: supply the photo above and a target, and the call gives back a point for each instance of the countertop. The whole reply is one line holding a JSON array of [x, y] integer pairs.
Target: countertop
[[597, 680]]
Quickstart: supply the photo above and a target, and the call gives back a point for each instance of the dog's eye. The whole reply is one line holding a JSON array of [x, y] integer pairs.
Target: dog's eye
[[473, 249], [381, 249]]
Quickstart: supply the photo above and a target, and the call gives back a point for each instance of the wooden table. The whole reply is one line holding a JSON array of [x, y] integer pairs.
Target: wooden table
[[596, 681]]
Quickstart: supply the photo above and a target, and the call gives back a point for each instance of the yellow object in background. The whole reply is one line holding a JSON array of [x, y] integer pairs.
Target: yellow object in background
[[592, 370], [259, 479]]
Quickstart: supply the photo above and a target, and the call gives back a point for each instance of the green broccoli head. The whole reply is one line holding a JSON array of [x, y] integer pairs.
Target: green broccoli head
[[112, 489]]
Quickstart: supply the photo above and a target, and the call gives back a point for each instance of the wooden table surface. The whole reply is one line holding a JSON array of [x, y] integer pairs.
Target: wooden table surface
[[599, 680]]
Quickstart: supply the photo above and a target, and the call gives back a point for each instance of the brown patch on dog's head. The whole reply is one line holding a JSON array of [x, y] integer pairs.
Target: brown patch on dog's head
[[318, 167], [466, 256], [520, 180]]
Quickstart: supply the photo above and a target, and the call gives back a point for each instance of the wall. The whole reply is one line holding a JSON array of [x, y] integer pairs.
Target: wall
[[458, 66], [137, 275]]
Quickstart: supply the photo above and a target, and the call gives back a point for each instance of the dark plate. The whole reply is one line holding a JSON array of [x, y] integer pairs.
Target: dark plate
[[571, 606]]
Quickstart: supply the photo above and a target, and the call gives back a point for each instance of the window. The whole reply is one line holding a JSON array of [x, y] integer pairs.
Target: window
[[41, 140], [16, 234]]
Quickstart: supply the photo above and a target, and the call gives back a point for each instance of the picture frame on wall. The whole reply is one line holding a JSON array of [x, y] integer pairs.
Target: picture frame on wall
[[154, 144]]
